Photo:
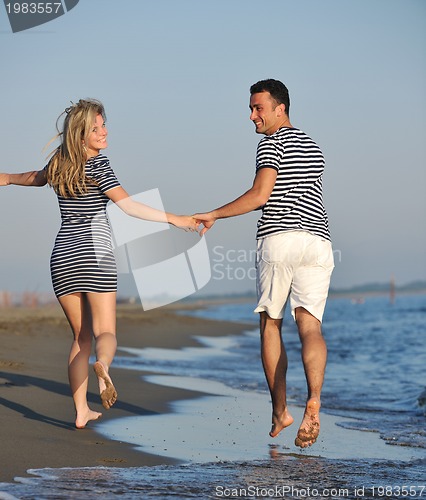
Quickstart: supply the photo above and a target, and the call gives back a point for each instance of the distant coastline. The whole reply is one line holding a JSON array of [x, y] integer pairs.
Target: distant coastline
[[368, 289], [37, 299], [418, 286]]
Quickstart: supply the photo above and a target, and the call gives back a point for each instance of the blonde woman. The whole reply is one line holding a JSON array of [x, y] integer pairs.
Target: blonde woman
[[86, 286]]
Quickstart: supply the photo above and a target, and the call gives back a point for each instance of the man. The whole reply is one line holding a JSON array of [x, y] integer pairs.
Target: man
[[294, 253]]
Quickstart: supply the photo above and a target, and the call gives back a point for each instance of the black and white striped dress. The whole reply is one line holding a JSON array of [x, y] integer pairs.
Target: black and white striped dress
[[82, 258]]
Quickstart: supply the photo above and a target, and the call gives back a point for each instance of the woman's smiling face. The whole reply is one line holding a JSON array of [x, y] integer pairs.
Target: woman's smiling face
[[97, 138]]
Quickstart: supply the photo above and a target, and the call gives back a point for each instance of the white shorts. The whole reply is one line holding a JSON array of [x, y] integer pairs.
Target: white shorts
[[295, 265]]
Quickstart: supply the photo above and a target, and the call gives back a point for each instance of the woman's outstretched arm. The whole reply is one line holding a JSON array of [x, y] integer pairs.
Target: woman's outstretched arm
[[136, 209], [33, 178]]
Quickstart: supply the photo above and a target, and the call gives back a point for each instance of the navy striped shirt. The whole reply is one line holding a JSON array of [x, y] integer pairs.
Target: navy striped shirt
[[296, 201]]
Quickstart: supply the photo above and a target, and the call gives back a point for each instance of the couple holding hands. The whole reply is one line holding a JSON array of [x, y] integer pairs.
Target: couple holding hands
[[294, 253]]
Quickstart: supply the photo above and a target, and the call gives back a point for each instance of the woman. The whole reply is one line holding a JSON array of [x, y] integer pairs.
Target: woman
[[82, 264]]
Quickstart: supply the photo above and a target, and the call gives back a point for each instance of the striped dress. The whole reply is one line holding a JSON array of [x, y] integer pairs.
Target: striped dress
[[296, 200], [82, 258]]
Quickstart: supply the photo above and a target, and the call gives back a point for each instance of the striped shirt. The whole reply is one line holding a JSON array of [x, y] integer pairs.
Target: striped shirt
[[296, 200]]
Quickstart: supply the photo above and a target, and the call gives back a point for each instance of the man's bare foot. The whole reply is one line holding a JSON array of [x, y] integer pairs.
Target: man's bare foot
[[106, 387], [84, 417], [310, 426], [280, 422]]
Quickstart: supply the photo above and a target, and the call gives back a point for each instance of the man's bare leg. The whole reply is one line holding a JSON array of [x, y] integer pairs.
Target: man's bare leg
[[314, 357], [274, 360]]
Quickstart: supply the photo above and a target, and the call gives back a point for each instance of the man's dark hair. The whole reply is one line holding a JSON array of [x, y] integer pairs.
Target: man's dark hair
[[277, 89]]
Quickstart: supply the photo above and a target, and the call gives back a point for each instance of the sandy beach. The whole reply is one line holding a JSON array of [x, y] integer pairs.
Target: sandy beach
[[36, 409], [174, 421]]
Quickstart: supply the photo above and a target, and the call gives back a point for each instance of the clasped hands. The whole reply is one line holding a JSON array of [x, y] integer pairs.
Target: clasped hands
[[194, 222]]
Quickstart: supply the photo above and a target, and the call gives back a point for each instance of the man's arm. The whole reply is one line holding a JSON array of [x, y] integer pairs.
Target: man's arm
[[251, 200]]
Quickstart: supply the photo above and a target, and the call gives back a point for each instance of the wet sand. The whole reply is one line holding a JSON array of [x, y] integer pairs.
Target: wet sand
[[36, 411]]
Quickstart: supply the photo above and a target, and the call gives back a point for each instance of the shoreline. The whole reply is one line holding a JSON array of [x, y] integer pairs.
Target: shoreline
[[36, 407], [226, 425]]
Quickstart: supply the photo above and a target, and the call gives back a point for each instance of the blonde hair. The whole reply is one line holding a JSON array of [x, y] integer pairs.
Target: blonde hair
[[65, 171]]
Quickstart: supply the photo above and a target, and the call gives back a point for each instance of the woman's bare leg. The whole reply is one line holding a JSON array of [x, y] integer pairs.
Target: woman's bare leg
[[77, 311], [103, 311]]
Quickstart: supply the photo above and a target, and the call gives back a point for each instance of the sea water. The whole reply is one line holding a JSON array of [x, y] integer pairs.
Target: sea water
[[373, 434]]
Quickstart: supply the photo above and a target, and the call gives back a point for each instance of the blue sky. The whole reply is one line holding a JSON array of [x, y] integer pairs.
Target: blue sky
[[174, 76]]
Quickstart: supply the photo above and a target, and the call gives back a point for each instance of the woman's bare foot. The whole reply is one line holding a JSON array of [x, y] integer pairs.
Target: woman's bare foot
[[106, 387], [84, 417], [279, 422], [310, 426]]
